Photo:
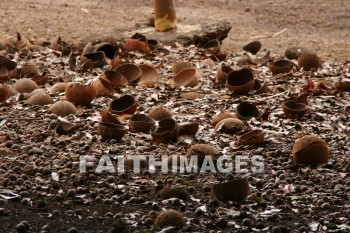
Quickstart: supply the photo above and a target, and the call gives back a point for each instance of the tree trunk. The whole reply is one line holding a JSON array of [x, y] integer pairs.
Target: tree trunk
[[164, 15]]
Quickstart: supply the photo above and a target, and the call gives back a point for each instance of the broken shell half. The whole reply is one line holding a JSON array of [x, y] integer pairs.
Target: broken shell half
[[254, 137], [40, 79], [152, 43], [212, 46], [260, 86], [235, 190], [281, 66], [149, 75], [140, 37], [89, 48], [115, 62], [230, 126], [293, 109], [167, 130], [111, 131], [80, 94], [103, 87], [241, 81], [222, 115], [245, 111], [131, 45], [107, 117], [126, 104], [130, 71], [178, 66], [108, 82], [98, 59], [310, 149], [188, 77], [106, 48], [141, 123]]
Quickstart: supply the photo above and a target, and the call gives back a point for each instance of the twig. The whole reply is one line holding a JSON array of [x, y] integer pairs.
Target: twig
[[273, 96], [279, 33], [259, 37], [269, 36]]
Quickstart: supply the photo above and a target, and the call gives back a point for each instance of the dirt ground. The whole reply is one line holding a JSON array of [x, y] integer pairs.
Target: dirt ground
[[322, 26]]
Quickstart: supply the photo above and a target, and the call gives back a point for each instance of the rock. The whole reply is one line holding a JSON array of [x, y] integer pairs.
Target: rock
[[294, 52], [197, 34]]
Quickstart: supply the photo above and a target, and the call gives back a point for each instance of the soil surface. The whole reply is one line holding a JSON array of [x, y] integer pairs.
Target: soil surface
[[322, 26], [42, 189]]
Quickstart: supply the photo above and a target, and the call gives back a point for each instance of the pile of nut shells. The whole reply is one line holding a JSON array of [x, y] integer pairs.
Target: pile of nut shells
[[139, 97]]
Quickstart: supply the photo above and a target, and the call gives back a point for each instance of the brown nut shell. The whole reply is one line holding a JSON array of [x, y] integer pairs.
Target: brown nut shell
[[169, 218], [241, 81], [167, 130], [254, 137], [245, 111], [141, 123], [80, 94], [188, 77], [126, 104], [310, 149], [111, 131], [63, 108], [159, 113], [235, 190], [293, 109]]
